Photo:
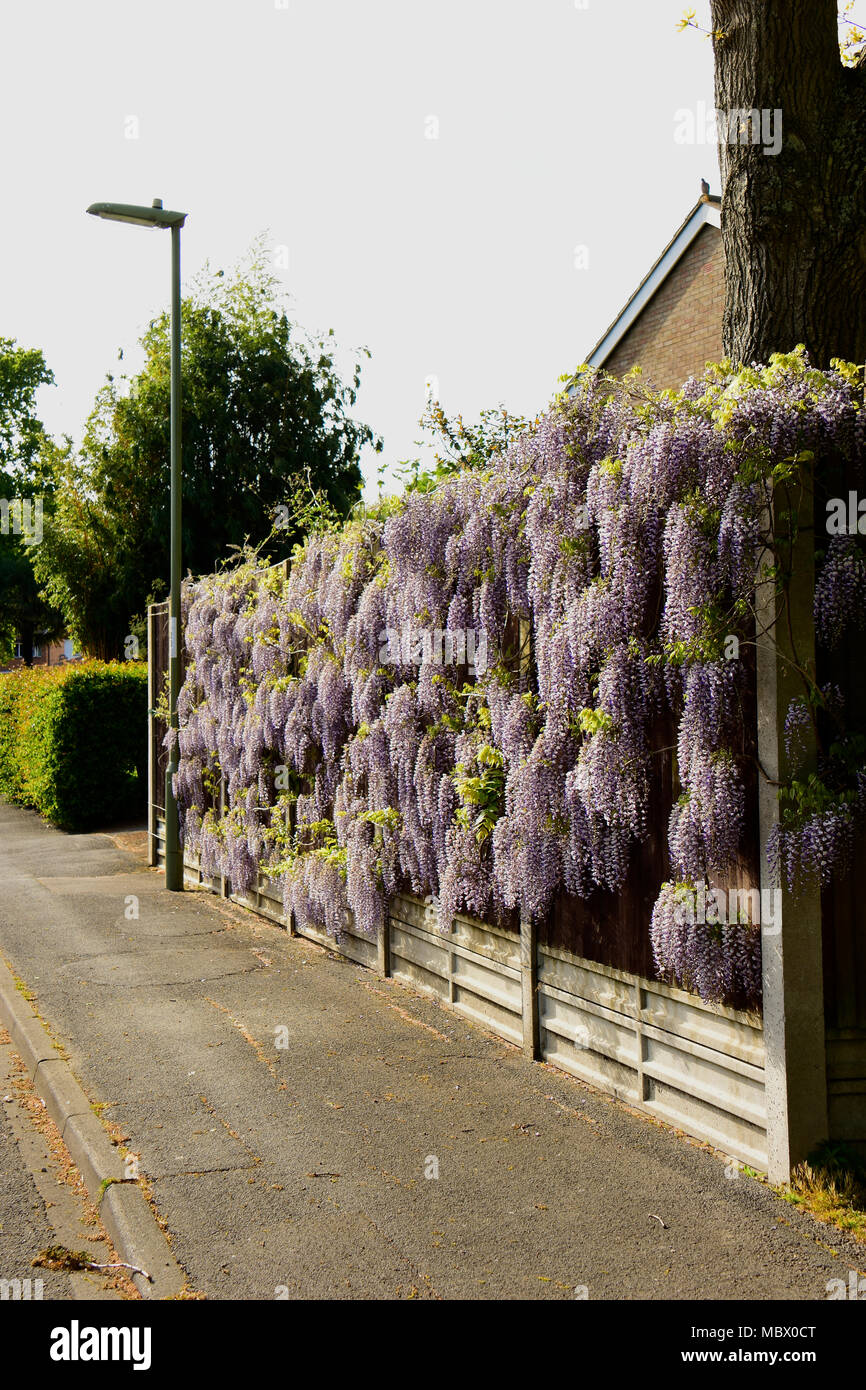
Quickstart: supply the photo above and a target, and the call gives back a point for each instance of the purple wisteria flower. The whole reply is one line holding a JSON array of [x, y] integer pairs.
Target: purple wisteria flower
[[604, 558]]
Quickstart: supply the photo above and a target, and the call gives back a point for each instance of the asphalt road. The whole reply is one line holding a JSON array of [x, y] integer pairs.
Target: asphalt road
[[42, 1203], [24, 1225], [388, 1149]]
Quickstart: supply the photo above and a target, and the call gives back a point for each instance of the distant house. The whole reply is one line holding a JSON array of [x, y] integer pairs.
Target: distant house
[[45, 653], [672, 324]]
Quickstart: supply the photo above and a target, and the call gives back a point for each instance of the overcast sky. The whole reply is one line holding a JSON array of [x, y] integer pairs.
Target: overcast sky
[[471, 188]]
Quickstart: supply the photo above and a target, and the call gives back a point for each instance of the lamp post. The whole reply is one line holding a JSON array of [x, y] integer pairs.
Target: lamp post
[[157, 216]]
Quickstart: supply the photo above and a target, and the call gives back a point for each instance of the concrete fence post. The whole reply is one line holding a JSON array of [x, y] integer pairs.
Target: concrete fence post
[[529, 984], [152, 695], [793, 983], [225, 888], [383, 946]]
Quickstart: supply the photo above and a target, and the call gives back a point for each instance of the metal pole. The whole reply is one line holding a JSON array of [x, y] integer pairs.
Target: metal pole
[[173, 857]]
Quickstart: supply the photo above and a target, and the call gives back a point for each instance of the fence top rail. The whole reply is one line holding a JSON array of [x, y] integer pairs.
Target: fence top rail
[[752, 1020]]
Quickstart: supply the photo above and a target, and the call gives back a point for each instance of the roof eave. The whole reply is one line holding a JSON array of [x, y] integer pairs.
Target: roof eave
[[705, 213]]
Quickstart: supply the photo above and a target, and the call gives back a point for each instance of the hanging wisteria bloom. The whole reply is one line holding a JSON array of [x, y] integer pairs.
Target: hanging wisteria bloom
[[341, 733]]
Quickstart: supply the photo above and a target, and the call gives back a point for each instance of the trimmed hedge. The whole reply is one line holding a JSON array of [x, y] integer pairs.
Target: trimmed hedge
[[73, 742]]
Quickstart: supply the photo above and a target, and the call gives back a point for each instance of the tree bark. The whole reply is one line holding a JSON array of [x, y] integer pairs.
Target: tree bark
[[794, 222]]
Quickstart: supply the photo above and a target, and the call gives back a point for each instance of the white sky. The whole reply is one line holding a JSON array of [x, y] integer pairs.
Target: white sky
[[451, 257]]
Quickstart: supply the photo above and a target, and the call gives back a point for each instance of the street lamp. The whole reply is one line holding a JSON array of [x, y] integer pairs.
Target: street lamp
[[157, 216]]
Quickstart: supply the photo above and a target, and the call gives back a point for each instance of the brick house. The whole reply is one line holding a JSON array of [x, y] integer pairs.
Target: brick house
[[45, 653], [672, 324]]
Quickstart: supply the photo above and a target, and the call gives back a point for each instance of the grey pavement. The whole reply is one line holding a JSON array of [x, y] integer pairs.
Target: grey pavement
[[37, 1208], [390, 1149], [24, 1225]]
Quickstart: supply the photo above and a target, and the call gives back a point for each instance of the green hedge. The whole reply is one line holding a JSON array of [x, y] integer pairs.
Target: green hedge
[[73, 742]]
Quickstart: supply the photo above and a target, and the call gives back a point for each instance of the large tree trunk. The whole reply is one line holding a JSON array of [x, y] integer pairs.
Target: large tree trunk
[[793, 223]]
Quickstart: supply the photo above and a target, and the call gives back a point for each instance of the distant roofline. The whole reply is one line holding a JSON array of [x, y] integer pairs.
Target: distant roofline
[[705, 213]]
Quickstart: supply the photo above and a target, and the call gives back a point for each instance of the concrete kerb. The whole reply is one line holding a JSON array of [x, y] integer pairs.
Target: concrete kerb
[[122, 1205]]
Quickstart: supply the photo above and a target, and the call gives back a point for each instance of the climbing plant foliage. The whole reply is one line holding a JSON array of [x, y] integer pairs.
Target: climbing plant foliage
[[605, 566]]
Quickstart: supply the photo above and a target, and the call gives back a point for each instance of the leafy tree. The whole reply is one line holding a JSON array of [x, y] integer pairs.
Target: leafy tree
[[22, 372], [265, 413], [82, 560], [458, 445], [23, 613]]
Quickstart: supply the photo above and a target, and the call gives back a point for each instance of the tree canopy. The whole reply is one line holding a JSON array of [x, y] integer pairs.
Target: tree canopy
[[265, 413], [25, 493]]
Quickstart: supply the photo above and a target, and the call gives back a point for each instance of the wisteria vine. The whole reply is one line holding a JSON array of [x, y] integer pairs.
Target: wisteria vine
[[609, 557]]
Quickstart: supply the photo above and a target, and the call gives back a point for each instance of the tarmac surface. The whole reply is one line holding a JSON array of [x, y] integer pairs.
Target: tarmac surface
[[42, 1202], [24, 1226], [309, 1130]]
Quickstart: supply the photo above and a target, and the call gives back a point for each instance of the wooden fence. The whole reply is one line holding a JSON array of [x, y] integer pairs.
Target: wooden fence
[[577, 990]]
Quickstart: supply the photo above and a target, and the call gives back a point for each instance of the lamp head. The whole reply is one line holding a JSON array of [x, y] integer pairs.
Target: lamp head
[[154, 216]]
